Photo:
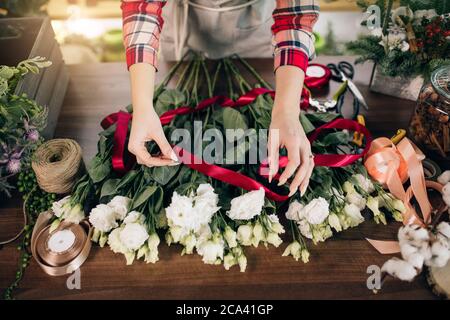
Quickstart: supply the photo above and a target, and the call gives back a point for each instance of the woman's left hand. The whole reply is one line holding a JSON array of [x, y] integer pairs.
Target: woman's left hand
[[287, 131]]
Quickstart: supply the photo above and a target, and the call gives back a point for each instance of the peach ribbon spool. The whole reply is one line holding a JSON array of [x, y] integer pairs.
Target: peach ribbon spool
[[391, 166]]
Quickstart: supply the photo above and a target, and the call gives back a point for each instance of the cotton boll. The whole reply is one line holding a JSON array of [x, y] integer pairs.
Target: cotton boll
[[446, 190], [400, 269], [440, 254], [416, 260], [444, 229], [444, 178], [446, 199], [406, 250]]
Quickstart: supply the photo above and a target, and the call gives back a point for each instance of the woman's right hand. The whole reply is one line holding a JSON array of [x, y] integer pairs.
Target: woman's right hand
[[145, 127]]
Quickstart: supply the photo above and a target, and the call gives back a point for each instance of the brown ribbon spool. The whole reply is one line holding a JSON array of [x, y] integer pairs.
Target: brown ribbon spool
[[69, 259]]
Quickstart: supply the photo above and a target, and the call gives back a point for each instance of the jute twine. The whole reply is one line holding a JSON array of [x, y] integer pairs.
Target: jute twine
[[57, 164]]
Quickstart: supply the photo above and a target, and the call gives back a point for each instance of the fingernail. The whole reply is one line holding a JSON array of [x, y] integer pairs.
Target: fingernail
[[281, 182], [175, 163], [302, 191], [270, 177], [291, 193], [173, 156]]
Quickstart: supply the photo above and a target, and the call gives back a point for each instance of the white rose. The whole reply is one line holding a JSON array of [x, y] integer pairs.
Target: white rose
[[153, 241], [229, 260], [294, 249], [115, 243], [247, 206], [133, 236], [58, 206], [274, 239], [211, 250], [305, 229], [354, 214], [333, 221], [275, 224], [74, 215], [242, 261], [294, 210], [205, 205], [364, 183], [103, 218], [356, 199], [258, 234], [151, 256], [180, 210], [230, 236], [189, 243], [244, 234], [316, 211], [120, 205], [134, 217]]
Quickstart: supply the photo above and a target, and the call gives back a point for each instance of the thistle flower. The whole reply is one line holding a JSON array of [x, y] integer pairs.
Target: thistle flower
[[13, 166], [33, 135]]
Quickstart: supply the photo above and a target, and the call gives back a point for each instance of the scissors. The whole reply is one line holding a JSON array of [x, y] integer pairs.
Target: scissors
[[344, 71]]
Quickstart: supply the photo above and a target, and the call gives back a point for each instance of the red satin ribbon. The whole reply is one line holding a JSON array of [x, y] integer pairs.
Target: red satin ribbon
[[122, 119], [318, 82], [329, 160]]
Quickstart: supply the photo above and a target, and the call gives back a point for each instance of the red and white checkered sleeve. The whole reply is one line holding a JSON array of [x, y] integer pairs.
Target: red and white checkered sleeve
[[142, 25], [293, 38]]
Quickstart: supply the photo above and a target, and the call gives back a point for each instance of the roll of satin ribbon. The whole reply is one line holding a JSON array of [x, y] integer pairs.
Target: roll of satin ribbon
[[392, 165], [63, 250]]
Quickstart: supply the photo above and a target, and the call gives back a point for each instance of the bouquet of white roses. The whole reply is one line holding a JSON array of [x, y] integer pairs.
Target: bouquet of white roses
[[203, 214]]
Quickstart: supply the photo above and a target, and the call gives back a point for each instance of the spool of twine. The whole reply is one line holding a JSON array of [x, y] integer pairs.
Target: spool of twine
[[57, 164]]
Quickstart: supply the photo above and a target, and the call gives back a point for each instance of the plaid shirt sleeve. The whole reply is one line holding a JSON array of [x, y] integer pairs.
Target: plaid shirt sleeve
[[142, 24], [292, 32]]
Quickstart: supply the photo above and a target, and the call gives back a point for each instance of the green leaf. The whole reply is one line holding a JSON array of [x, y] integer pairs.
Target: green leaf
[[164, 174], [143, 196], [109, 187], [322, 116], [306, 124], [233, 119], [335, 138], [169, 99], [99, 169], [126, 179]]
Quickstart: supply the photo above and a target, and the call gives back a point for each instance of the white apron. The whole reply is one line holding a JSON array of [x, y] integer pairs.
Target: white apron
[[217, 28]]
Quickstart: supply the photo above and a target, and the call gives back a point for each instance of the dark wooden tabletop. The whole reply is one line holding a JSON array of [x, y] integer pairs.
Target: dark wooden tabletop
[[337, 269]]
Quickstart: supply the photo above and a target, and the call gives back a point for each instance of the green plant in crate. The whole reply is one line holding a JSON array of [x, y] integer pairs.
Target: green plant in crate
[[412, 39], [21, 121], [23, 8]]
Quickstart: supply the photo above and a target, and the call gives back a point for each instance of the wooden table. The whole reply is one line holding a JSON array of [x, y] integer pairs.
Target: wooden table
[[337, 268]]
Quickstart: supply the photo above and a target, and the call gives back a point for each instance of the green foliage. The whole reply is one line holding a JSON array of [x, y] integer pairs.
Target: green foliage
[[430, 40], [21, 120]]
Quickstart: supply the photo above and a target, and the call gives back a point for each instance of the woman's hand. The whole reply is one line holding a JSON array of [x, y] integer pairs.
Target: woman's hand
[[146, 125], [286, 131]]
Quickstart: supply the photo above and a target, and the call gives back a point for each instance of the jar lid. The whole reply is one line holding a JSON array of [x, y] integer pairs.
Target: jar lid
[[440, 79]]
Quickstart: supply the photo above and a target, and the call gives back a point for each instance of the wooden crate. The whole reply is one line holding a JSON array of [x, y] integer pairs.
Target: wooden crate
[[23, 38]]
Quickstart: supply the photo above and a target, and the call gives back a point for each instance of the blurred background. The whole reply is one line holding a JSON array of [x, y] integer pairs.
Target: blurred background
[[90, 30]]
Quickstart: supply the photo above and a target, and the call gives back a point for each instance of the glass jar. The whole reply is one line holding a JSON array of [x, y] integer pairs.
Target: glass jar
[[430, 126]]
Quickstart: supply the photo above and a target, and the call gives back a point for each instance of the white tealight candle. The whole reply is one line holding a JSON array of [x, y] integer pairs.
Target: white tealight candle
[[61, 241]]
